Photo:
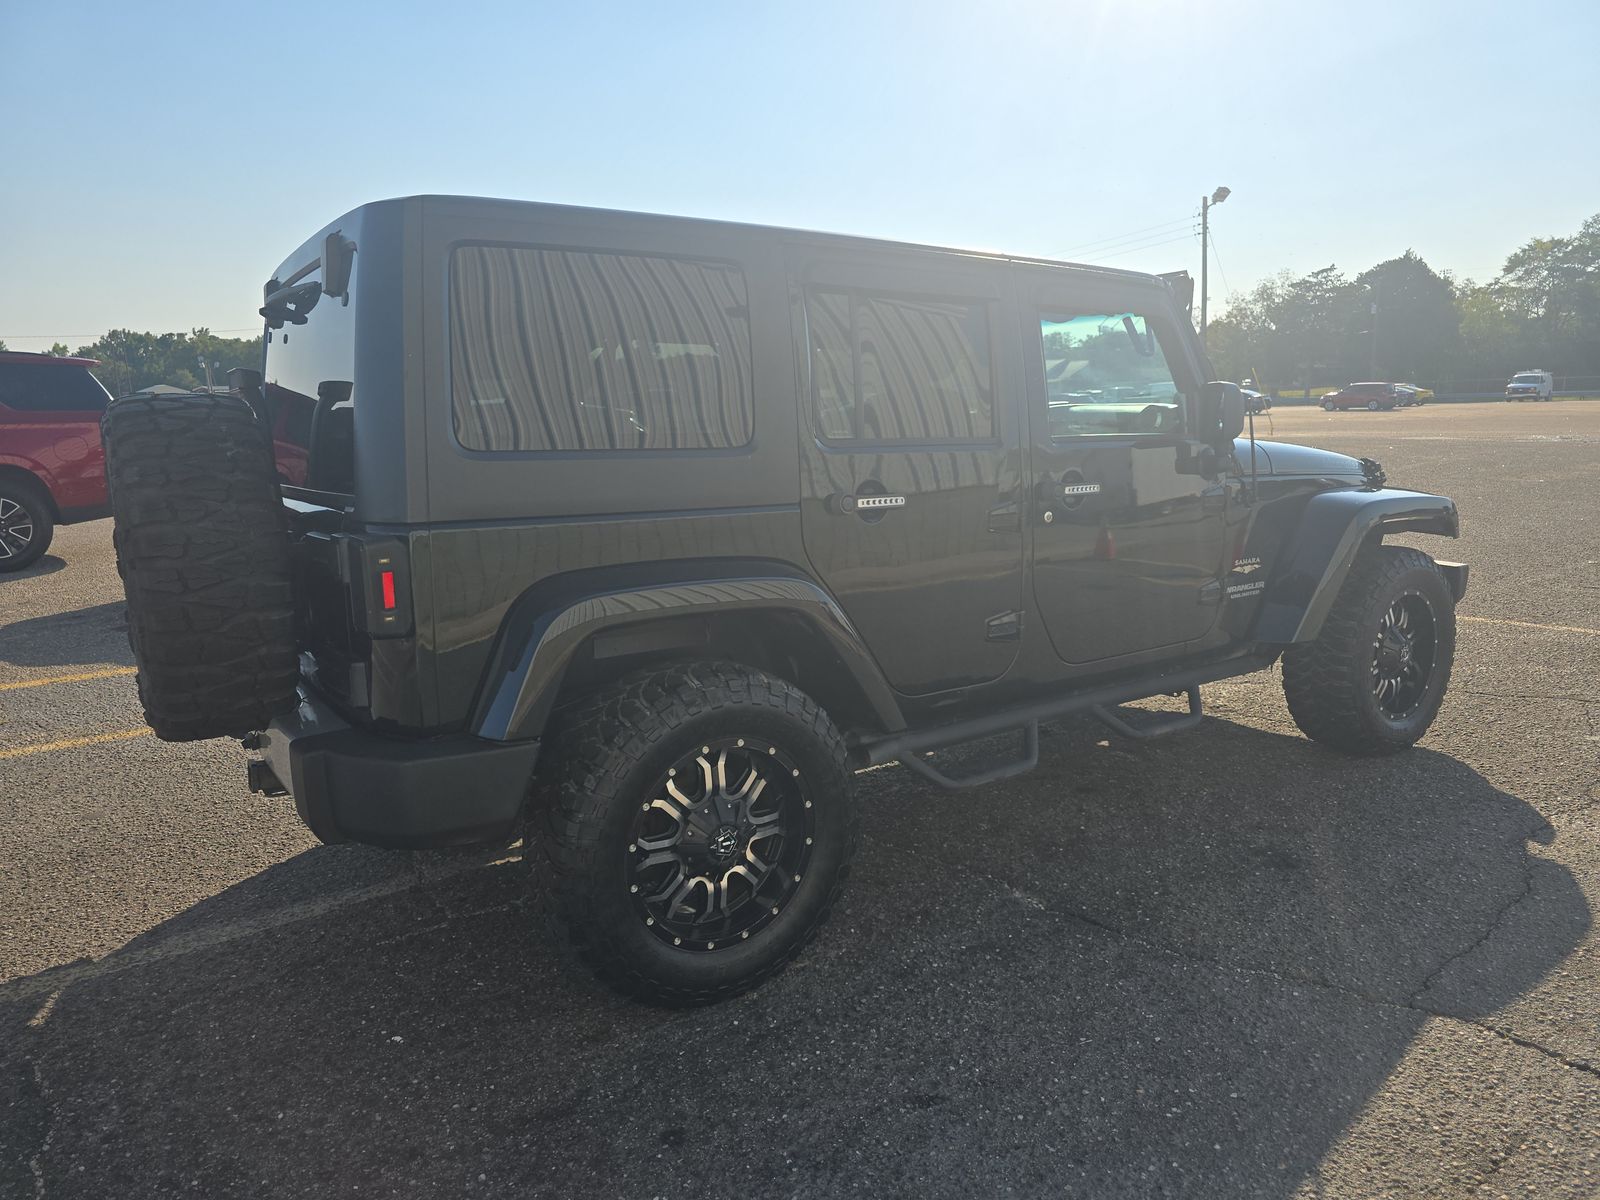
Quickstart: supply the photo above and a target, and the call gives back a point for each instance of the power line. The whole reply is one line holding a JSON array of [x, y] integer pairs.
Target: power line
[[1127, 250], [1218, 256], [1106, 243]]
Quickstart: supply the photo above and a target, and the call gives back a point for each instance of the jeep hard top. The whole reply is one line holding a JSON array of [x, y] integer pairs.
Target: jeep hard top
[[635, 536]]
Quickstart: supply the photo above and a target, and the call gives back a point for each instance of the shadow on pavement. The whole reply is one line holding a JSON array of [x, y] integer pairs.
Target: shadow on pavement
[[98, 634], [48, 564], [1179, 969]]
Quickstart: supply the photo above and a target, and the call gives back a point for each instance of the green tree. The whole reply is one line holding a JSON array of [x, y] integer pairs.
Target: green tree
[[59, 349], [131, 360], [1411, 312]]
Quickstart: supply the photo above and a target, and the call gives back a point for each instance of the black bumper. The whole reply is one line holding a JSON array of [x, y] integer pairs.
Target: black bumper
[[353, 785]]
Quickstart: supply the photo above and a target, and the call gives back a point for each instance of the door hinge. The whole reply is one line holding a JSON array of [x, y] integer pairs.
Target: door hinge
[[1211, 592], [1003, 627]]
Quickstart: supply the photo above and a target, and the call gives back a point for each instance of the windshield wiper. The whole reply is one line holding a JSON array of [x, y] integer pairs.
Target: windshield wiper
[[289, 304]]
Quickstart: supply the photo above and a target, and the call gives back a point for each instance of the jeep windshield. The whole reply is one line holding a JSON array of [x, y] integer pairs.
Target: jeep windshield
[[308, 392]]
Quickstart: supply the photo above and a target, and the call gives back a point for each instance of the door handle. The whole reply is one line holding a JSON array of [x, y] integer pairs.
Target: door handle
[[866, 505]]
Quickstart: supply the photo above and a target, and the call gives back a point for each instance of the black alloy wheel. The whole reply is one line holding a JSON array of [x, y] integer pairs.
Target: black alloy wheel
[[1403, 654], [721, 846]]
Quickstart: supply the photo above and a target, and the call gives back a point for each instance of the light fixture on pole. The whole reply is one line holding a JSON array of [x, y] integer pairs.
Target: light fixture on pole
[[1216, 197]]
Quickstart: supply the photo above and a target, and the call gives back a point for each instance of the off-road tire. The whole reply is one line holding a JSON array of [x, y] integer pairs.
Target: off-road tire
[[203, 550], [1328, 682], [605, 753], [30, 498]]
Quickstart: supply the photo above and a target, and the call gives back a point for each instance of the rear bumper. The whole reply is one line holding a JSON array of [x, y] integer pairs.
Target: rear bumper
[[353, 785]]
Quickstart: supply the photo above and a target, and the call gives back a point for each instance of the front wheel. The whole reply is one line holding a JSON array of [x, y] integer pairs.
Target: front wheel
[[691, 829], [1328, 406], [1373, 680]]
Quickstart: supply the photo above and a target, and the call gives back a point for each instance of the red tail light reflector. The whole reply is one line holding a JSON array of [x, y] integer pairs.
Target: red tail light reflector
[[386, 582]]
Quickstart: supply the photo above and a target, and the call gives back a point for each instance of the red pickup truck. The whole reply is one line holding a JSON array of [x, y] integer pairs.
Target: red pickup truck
[[52, 467]]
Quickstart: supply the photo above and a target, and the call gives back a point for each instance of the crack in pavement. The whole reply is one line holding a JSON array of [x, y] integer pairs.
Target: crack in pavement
[[1291, 979], [36, 1162], [1526, 863]]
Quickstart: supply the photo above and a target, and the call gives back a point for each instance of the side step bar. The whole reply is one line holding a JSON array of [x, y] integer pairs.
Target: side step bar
[[907, 746]]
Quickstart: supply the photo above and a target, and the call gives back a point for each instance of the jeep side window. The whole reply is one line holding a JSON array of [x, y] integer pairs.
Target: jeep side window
[[576, 350], [1106, 376], [897, 368]]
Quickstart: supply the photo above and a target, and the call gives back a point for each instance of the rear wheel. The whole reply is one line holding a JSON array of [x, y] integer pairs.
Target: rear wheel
[[1373, 680], [26, 525], [691, 829], [203, 550], [1373, 406]]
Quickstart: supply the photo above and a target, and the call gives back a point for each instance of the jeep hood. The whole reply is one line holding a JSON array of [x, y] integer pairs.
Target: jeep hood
[[1285, 458]]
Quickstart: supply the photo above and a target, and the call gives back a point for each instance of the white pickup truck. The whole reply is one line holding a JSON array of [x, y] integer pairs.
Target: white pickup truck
[[1530, 385]]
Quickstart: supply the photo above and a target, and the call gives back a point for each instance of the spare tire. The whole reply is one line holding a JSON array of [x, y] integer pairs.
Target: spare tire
[[203, 550]]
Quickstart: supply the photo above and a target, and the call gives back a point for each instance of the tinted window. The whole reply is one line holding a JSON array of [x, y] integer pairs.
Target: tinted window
[[567, 350], [26, 387], [900, 368], [1105, 374], [310, 369]]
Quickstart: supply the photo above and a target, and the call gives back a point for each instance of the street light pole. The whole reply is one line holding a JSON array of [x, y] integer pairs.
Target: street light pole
[[1216, 197]]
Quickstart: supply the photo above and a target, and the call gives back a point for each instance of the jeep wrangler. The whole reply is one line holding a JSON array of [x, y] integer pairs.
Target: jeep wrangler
[[635, 536]]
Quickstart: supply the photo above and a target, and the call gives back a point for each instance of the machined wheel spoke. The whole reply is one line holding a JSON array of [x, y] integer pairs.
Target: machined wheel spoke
[[680, 898], [658, 858], [668, 887]]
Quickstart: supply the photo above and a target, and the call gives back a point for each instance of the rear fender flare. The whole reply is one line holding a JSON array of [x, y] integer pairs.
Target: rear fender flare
[[539, 639], [1324, 546]]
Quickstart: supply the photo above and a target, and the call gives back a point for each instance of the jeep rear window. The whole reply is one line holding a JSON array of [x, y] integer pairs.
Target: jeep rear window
[[46, 387], [900, 368], [309, 396], [580, 350]]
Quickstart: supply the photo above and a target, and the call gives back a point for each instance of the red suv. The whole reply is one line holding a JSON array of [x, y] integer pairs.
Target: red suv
[[1371, 396], [52, 468]]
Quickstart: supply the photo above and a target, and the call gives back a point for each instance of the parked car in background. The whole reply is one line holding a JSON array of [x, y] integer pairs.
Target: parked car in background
[[1423, 394], [1254, 401], [1407, 396], [1531, 385], [1371, 396], [52, 467]]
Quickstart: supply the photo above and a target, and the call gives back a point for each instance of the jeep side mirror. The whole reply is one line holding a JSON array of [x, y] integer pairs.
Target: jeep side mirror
[[1221, 413]]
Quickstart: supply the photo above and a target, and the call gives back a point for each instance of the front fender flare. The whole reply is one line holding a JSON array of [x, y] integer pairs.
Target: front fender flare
[[527, 672], [1323, 548]]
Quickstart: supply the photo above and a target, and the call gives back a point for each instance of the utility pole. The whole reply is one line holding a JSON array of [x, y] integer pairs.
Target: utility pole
[[1216, 197], [1377, 290]]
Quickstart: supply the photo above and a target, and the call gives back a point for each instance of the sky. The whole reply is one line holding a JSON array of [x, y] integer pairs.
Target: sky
[[158, 160]]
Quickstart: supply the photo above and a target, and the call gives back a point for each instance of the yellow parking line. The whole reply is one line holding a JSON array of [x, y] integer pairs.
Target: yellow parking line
[[121, 735], [108, 673], [1531, 625]]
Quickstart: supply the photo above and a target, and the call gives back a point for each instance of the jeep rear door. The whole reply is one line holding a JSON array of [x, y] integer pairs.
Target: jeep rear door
[[909, 456], [1128, 534]]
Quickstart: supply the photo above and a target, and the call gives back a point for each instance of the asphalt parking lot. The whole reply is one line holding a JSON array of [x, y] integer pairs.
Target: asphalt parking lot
[[1229, 963]]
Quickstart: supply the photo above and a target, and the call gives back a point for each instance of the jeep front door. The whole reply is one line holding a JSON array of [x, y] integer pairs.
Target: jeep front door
[[1128, 533], [910, 463]]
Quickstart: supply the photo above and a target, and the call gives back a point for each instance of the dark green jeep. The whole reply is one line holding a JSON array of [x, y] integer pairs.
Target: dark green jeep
[[635, 536]]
